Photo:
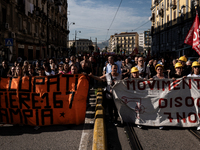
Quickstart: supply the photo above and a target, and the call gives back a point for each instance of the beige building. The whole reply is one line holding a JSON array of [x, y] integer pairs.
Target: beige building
[[125, 41], [83, 45], [171, 21], [31, 27]]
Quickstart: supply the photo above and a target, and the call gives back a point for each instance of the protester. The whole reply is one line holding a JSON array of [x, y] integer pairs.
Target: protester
[[178, 71], [109, 65], [134, 73], [18, 71], [159, 70], [111, 79], [73, 62], [41, 71], [144, 71], [4, 70], [74, 69], [47, 70], [60, 69], [11, 72], [195, 70], [125, 70], [66, 68], [31, 70], [183, 61]]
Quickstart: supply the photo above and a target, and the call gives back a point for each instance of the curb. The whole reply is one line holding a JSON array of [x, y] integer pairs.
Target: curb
[[99, 136]]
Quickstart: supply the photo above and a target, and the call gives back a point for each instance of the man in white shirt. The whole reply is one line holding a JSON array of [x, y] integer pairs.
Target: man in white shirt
[[144, 71]]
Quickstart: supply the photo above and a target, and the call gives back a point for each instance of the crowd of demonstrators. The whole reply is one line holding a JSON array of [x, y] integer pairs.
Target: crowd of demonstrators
[[144, 68], [117, 67], [73, 65]]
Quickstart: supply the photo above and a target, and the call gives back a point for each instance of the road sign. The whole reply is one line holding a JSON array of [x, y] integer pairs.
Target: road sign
[[9, 42]]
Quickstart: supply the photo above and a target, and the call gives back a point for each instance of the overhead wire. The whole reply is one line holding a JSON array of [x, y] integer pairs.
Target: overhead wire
[[114, 18]]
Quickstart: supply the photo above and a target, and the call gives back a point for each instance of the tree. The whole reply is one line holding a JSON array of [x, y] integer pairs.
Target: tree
[[72, 49]]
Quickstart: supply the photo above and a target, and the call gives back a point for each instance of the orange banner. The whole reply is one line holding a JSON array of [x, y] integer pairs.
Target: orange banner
[[40, 101]]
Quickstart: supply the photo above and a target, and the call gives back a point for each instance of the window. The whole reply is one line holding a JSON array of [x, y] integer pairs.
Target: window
[[174, 14], [167, 3], [4, 15], [29, 27], [36, 28], [20, 23]]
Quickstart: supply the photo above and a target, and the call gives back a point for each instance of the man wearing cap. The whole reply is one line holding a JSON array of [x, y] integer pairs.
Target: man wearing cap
[[183, 61]]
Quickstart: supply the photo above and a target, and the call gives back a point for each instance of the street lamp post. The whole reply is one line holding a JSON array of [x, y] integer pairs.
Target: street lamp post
[[75, 39]]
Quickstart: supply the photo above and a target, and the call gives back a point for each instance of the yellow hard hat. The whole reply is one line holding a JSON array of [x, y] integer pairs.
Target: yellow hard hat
[[195, 64], [178, 65], [134, 69], [158, 65], [183, 58]]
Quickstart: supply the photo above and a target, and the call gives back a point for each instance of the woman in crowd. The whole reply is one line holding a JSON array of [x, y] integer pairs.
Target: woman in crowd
[[60, 69], [18, 71], [25, 71], [41, 71], [125, 70], [178, 71], [134, 73], [31, 70], [53, 69], [47, 69], [66, 68], [159, 72], [195, 70], [11, 72]]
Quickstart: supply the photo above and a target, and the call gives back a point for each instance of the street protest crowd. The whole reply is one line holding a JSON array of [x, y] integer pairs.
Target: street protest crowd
[[116, 67]]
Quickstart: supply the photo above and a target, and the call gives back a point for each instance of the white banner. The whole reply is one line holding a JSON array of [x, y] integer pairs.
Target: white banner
[[159, 102]]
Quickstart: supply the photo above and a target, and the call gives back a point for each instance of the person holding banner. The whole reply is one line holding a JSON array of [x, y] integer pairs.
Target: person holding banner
[[18, 71], [195, 70], [178, 71], [134, 73], [144, 71], [159, 70], [111, 79], [183, 61]]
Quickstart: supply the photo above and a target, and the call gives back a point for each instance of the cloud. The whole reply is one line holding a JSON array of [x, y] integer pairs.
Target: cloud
[[94, 18]]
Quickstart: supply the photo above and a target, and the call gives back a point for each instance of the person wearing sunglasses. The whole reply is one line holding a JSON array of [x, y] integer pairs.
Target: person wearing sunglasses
[[178, 71], [144, 71], [183, 61], [195, 70]]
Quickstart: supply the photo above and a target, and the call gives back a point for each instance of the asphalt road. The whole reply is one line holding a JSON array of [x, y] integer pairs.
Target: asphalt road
[[172, 138], [62, 137]]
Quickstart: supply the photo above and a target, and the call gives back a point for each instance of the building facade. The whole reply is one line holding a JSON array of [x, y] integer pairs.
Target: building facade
[[171, 21], [37, 28], [126, 41], [82, 45], [141, 43]]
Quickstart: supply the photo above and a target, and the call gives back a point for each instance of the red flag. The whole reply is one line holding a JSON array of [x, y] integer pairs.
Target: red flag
[[192, 37]]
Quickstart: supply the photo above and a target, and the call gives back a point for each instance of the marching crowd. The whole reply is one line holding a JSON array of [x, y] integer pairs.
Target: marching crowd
[[113, 68]]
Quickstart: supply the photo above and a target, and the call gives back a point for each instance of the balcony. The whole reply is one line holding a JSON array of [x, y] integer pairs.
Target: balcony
[[173, 5]]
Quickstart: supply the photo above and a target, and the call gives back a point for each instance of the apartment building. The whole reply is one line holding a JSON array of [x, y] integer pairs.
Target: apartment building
[[171, 21], [82, 45], [125, 41], [33, 29]]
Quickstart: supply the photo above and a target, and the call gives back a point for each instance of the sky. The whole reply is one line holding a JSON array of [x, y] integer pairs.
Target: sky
[[94, 17]]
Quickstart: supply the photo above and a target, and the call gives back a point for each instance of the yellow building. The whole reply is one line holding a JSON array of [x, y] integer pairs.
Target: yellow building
[[171, 21], [125, 41]]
